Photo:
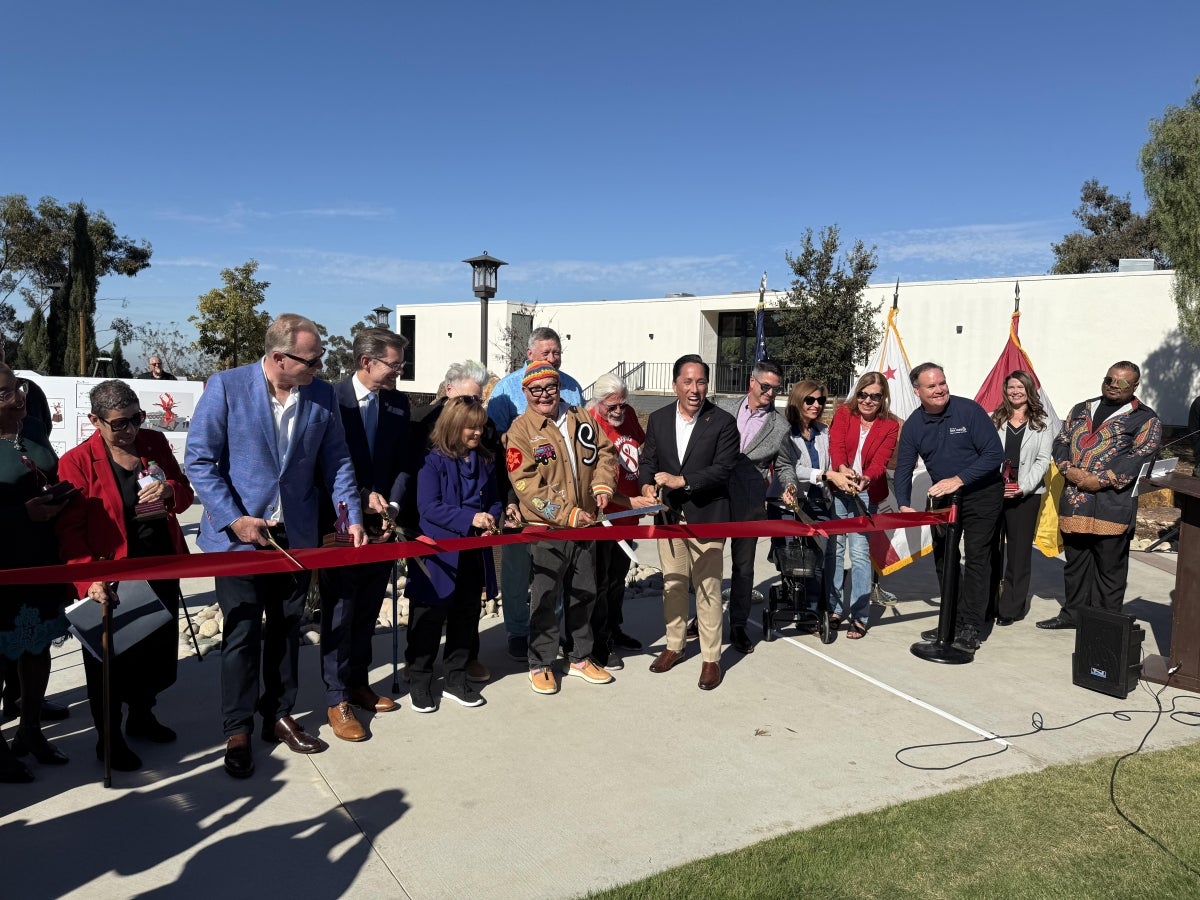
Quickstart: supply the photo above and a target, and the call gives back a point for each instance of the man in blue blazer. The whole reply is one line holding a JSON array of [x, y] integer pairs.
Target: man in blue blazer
[[259, 435], [376, 419]]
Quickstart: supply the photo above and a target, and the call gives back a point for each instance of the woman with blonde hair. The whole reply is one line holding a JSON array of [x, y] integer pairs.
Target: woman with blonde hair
[[1021, 422], [862, 436], [457, 496]]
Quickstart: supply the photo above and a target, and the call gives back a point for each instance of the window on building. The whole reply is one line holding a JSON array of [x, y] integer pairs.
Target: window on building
[[408, 329]]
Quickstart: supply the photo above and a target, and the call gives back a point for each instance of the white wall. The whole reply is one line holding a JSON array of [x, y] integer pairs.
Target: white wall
[[1072, 326]]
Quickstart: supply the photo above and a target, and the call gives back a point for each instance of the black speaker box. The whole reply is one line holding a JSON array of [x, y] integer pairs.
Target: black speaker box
[[1108, 652]]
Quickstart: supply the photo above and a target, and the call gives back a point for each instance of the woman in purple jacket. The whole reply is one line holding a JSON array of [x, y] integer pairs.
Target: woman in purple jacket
[[457, 496]]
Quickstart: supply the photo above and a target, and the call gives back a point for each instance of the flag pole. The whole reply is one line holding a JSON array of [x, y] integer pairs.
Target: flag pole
[[1017, 300]]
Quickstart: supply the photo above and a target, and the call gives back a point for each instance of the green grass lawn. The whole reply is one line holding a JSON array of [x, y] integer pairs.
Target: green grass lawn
[[1051, 834]]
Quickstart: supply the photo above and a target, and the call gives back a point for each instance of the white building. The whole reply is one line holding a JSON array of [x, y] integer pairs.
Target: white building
[[1072, 326]]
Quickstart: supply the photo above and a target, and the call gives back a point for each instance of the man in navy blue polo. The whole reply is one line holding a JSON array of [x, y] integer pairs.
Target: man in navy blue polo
[[958, 442]]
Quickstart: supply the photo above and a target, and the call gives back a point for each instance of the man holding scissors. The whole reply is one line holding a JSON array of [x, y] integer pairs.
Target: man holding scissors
[[261, 435]]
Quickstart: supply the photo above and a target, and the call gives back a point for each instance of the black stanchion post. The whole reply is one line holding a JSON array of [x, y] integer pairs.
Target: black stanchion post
[[942, 650]]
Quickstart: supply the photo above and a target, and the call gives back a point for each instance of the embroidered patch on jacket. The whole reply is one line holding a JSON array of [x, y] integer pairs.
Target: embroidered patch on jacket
[[520, 485], [546, 508], [513, 459], [586, 436], [543, 454]]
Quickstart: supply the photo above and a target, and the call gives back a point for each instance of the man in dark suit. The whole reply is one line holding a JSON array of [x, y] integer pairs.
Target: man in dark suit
[[258, 437], [376, 419], [690, 452], [760, 429]]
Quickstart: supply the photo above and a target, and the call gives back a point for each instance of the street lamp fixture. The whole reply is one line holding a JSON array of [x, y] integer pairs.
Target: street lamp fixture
[[381, 316], [483, 282]]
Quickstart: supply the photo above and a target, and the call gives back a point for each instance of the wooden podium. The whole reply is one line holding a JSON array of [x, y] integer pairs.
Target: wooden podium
[[1185, 609]]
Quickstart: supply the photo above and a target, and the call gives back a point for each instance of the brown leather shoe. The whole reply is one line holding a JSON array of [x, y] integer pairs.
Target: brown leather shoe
[[344, 724], [239, 762], [667, 660], [290, 732], [710, 676], [365, 698]]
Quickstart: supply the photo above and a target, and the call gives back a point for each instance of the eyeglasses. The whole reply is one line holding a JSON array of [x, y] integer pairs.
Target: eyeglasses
[[609, 407], [815, 401], [548, 390], [311, 363], [19, 389], [874, 398], [122, 424], [767, 388], [1120, 383], [397, 368]]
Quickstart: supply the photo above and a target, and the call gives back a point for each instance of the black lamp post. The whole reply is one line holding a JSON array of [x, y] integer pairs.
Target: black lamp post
[[483, 281], [381, 316]]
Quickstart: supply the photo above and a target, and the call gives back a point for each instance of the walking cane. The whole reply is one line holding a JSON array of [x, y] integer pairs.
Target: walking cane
[[395, 628], [106, 638], [191, 628]]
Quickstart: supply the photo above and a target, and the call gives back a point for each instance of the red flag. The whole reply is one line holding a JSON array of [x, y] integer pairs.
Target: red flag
[[991, 394]]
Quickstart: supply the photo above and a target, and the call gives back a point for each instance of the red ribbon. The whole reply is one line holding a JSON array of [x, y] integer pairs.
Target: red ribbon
[[262, 562]]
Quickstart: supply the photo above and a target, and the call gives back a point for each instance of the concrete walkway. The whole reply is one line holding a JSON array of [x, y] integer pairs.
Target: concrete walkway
[[535, 796]]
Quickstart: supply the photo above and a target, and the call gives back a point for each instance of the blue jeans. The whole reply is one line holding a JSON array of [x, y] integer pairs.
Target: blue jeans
[[858, 609], [515, 570]]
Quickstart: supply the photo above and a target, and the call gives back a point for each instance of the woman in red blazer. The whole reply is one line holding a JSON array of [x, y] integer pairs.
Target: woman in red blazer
[[130, 487], [862, 436]]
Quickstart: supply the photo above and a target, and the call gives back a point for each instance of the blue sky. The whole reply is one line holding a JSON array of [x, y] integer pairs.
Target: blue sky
[[360, 151]]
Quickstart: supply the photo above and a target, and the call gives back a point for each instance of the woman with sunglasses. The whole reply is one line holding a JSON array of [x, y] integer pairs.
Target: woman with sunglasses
[[862, 437], [130, 490], [803, 460], [457, 495], [610, 408], [1022, 425], [31, 616]]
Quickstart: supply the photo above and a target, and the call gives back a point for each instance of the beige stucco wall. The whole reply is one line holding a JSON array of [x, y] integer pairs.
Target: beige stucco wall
[[1072, 326]]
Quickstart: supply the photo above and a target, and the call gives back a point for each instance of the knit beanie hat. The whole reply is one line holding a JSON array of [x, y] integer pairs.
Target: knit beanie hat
[[537, 370]]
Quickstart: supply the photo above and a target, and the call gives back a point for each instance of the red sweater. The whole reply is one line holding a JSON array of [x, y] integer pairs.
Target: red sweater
[[877, 448], [628, 440]]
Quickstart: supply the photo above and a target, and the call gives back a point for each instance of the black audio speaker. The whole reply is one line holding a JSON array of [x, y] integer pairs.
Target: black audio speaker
[[1108, 652]]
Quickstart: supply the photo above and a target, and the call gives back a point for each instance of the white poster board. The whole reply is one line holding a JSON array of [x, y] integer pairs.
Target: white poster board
[[169, 406]]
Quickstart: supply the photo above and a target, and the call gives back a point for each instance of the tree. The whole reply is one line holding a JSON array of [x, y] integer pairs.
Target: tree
[[34, 352], [513, 339], [1170, 164], [119, 365], [80, 344], [1112, 232], [179, 354], [831, 329], [339, 361], [230, 327]]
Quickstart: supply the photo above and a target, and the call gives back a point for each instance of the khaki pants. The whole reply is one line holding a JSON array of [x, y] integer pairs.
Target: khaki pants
[[700, 561]]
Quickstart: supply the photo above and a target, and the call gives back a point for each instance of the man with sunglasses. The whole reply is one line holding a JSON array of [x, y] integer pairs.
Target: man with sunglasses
[[958, 442], [376, 418], [506, 403], [562, 468], [262, 434], [1103, 444], [760, 430]]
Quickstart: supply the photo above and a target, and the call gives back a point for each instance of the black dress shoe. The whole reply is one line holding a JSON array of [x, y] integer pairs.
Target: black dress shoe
[[1056, 624], [740, 640], [239, 762], [288, 731], [148, 727], [123, 759], [1004, 621], [43, 751], [929, 635], [52, 712], [624, 641], [12, 770]]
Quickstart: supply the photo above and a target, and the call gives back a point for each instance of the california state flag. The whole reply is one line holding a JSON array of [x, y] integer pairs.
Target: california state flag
[[1012, 358], [892, 550]]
